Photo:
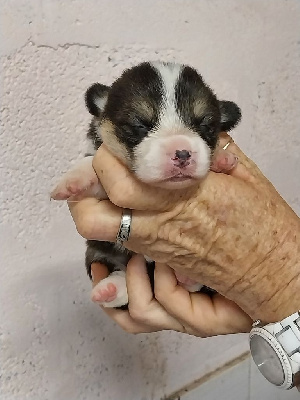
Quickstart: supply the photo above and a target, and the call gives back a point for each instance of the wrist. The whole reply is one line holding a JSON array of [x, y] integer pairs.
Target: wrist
[[284, 300], [270, 305], [270, 291]]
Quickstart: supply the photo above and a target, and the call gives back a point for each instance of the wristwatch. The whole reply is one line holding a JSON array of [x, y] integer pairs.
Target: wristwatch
[[275, 349]]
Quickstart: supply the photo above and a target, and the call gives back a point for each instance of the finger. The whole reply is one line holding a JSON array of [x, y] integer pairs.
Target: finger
[[143, 307], [124, 190], [122, 318], [168, 290], [100, 220], [96, 220], [223, 161], [246, 169], [208, 315], [99, 271], [127, 323], [224, 139], [138, 282]]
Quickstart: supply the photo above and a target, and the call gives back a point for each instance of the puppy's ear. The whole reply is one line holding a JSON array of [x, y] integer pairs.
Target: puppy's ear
[[230, 115], [95, 98]]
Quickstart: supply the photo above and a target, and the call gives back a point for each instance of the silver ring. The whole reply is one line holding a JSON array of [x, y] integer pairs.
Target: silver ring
[[125, 224], [227, 144]]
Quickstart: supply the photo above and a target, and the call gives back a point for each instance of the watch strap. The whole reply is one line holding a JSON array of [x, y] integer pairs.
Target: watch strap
[[287, 332]]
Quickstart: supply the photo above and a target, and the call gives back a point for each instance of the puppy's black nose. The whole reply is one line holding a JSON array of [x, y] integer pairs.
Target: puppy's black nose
[[182, 155]]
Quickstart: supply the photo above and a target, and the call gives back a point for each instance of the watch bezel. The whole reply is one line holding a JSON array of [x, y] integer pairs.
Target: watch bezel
[[281, 354]]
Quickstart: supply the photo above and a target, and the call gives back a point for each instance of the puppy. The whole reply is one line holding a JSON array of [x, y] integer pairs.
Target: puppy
[[162, 121]]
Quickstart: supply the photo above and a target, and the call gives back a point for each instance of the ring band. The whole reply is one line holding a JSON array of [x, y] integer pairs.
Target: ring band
[[125, 224], [227, 144]]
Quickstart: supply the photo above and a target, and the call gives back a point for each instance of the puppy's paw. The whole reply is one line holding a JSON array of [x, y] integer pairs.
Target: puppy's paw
[[223, 161], [72, 184], [81, 181], [112, 291]]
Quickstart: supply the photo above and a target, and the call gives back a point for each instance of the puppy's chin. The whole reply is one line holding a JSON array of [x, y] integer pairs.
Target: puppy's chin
[[174, 183]]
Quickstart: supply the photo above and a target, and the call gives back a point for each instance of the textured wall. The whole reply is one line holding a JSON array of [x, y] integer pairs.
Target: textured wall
[[55, 344]]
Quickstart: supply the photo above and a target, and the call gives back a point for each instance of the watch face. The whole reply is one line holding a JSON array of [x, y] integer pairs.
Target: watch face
[[267, 360]]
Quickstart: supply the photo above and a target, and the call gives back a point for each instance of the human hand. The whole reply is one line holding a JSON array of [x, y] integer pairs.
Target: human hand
[[171, 307], [233, 232]]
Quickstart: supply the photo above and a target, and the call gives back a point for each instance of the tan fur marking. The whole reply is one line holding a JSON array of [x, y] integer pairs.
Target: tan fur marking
[[200, 107], [112, 143], [144, 109]]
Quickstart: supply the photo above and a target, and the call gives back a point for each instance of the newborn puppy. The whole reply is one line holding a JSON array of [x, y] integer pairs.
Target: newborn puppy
[[162, 121]]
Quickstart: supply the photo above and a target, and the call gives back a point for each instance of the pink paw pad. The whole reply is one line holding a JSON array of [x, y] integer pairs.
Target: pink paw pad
[[77, 181], [71, 187], [107, 294], [111, 291]]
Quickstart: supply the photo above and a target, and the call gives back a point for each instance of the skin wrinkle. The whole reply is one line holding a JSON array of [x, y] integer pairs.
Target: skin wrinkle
[[295, 278], [279, 290], [186, 242], [203, 250], [286, 266], [149, 237], [267, 256], [236, 283], [279, 296], [256, 266], [252, 268]]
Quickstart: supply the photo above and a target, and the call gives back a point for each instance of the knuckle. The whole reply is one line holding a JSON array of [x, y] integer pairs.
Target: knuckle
[[114, 195], [137, 314], [119, 194]]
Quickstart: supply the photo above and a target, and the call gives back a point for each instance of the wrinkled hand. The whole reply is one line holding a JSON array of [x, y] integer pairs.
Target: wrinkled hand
[[172, 308], [233, 233]]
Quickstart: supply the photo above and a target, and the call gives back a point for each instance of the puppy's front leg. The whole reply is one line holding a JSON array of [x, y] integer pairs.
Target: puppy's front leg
[[79, 182]]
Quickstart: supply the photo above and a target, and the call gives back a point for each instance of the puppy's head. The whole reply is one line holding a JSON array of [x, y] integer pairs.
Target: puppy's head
[[162, 120]]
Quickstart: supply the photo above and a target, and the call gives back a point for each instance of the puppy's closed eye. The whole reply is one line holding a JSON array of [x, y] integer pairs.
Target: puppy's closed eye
[[135, 131], [142, 126]]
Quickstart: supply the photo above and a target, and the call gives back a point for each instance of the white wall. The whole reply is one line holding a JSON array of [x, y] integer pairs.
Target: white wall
[[55, 344]]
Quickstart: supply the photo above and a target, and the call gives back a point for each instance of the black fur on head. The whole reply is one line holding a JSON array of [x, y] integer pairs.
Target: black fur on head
[[200, 109], [133, 104]]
